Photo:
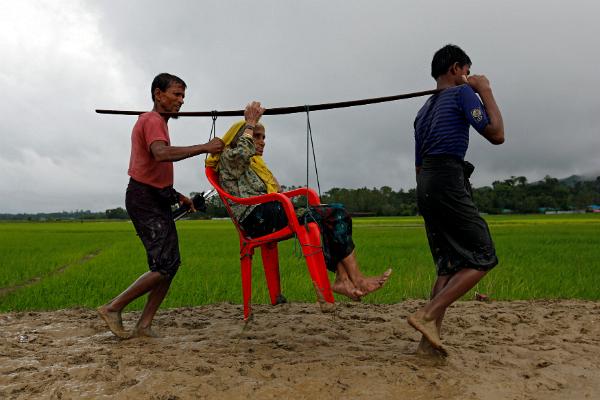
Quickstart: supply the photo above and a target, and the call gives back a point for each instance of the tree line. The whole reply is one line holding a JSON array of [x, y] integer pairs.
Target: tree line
[[512, 195], [516, 195]]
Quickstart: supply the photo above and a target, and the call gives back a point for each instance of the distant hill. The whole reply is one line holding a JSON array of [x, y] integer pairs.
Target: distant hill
[[573, 179]]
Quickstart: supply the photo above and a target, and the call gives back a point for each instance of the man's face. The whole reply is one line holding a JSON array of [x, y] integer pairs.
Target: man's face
[[171, 99], [259, 140]]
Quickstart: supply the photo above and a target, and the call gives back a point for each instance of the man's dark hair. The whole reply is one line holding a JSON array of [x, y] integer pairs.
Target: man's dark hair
[[163, 81], [445, 57]]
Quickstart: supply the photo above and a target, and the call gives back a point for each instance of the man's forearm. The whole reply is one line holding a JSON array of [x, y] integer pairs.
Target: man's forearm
[[176, 153], [494, 132]]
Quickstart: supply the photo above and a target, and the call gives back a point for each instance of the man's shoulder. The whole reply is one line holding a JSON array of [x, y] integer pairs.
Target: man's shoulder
[[150, 116], [464, 90], [431, 100], [455, 96], [150, 119]]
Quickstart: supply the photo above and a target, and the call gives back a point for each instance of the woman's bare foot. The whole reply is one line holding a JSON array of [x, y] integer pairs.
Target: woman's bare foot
[[346, 288], [427, 328], [114, 321], [372, 283]]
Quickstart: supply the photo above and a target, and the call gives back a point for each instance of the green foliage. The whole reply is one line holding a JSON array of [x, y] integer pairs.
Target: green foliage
[[55, 216], [117, 213], [378, 202], [544, 256], [518, 196], [215, 208], [513, 195]]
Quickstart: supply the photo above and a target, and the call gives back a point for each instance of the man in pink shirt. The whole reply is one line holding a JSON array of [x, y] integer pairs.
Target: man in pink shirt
[[148, 200]]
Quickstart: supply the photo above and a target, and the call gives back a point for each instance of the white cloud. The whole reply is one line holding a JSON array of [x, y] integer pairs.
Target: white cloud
[[56, 69], [61, 60]]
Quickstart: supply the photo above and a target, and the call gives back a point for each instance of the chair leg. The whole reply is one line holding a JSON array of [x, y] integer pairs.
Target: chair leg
[[246, 266], [311, 248], [270, 259]]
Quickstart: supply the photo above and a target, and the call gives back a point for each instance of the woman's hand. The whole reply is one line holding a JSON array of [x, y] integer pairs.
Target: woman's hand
[[253, 112]]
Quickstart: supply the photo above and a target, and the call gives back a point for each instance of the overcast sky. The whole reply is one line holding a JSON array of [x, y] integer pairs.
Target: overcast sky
[[61, 60]]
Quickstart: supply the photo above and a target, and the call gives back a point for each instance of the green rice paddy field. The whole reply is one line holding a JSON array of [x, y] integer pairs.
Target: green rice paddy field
[[45, 266]]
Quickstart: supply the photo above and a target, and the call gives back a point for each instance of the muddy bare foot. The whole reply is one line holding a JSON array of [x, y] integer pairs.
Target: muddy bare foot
[[114, 321], [347, 289], [372, 283], [427, 328], [427, 350], [145, 332]]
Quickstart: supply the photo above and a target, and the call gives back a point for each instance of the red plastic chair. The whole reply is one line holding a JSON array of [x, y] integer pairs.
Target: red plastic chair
[[308, 235]]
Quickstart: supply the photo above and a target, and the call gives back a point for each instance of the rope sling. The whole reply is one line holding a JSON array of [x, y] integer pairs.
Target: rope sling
[[309, 145]]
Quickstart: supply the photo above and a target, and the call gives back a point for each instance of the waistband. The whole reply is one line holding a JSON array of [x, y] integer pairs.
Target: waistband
[[446, 160], [142, 184], [443, 157], [167, 194]]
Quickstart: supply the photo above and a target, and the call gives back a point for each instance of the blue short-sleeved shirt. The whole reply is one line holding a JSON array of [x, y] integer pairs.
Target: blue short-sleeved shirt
[[442, 124]]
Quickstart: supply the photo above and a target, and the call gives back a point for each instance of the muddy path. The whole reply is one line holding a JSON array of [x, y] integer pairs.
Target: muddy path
[[501, 350]]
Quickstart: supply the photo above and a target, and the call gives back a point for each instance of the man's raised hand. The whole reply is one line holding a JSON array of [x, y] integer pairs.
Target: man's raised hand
[[479, 83]]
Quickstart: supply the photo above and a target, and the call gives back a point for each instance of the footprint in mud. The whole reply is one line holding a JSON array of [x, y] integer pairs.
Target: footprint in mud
[[203, 370], [312, 330], [337, 336], [128, 383], [80, 359], [194, 325], [462, 323], [20, 370], [315, 341], [277, 344]]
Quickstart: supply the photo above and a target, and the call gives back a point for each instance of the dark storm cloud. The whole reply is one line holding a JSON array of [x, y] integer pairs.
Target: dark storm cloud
[[540, 57]]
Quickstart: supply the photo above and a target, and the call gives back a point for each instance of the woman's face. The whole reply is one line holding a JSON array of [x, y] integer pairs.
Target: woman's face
[[259, 139]]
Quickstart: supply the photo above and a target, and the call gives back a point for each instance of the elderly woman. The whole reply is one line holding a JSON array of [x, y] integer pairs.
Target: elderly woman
[[243, 173]]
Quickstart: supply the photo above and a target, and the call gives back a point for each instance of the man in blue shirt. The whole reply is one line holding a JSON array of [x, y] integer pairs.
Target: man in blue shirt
[[459, 238]]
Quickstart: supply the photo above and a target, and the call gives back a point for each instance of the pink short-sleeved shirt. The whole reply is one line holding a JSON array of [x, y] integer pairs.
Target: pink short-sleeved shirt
[[149, 128]]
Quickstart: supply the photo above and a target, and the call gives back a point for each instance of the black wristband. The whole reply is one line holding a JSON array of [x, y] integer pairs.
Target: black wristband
[[248, 126]]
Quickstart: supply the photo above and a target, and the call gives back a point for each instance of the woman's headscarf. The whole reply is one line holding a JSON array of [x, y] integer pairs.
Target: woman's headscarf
[[257, 164]]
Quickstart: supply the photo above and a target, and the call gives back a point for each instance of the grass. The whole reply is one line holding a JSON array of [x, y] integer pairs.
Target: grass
[[59, 265]]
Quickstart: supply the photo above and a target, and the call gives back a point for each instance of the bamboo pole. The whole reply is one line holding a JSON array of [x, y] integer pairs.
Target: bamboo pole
[[283, 110]]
